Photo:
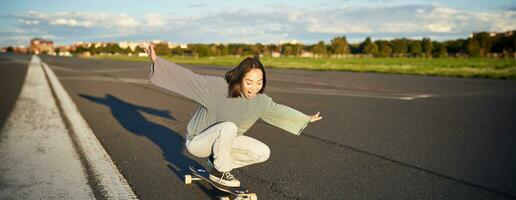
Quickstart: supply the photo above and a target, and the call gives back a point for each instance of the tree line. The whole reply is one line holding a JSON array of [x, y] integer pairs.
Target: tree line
[[481, 44]]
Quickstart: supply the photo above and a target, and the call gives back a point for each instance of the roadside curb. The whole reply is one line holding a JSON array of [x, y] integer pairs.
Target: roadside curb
[[102, 171]]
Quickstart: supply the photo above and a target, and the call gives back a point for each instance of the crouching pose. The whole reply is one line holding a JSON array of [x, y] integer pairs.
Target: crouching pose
[[229, 106]]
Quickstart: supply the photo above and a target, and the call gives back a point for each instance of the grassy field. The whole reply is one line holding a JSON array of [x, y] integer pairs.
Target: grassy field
[[455, 67]]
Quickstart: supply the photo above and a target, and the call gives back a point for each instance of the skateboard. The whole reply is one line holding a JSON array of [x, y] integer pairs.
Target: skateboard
[[239, 193]]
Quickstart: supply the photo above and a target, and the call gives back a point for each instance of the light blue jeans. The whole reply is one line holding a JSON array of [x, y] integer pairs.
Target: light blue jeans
[[229, 149]]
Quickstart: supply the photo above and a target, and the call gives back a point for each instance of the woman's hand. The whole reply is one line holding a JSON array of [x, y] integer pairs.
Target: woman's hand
[[149, 50], [315, 117]]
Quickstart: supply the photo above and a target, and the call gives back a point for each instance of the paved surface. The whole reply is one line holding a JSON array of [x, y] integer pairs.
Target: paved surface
[[382, 136], [38, 158]]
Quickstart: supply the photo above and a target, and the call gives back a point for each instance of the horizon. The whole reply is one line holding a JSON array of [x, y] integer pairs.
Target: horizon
[[266, 22], [227, 43]]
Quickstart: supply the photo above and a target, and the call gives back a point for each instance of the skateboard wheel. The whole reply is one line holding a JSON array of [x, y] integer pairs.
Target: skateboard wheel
[[224, 198], [188, 179]]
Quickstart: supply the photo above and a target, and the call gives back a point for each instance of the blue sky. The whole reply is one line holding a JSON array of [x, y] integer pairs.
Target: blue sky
[[266, 21]]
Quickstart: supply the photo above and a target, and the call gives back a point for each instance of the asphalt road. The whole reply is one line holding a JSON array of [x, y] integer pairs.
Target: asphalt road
[[382, 136]]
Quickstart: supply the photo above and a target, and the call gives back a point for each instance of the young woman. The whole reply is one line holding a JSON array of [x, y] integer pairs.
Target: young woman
[[228, 108]]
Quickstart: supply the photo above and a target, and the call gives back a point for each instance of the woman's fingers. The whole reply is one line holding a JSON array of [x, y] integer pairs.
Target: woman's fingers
[[146, 47], [149, 50], [315, 117]]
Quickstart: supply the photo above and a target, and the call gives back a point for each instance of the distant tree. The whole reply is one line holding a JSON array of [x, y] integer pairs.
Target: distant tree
[[138, 49], [472, 48], [384, 48], [297, 49], [484, 42], [511, 46], [224, 50], [339, 45], [506, 43], [126, 50], [163, 49], [256, 49], [266, 49], [499, 42], [79, 50], [178, 51], [400, 46], [214, 50], [94, 50], [202, 50], [439, 50], [287, 50], [10, 49], [320, 48], [355, 48], [113, 48], [368, 47], [240, 51], [455, 46], [427, 47], [415, 48]]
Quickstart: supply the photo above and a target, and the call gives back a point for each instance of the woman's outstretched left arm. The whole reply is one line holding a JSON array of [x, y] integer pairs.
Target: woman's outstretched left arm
[[287, 118]]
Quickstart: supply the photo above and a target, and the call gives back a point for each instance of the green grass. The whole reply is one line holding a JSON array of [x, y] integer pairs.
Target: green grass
[[455, 67]]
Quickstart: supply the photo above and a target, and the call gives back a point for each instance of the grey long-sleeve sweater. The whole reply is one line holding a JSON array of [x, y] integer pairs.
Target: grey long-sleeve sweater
[[215, 105]]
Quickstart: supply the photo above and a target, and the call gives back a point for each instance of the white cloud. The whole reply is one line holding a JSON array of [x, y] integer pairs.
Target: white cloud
[[439, 27], [28, 22], [77, 19], [155, 20], [68, 22]]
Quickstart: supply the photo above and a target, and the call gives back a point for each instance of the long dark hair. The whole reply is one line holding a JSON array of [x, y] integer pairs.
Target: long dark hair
[[234, 77]]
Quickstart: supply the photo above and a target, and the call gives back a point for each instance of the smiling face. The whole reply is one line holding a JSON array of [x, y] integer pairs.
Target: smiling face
[[252, 83]]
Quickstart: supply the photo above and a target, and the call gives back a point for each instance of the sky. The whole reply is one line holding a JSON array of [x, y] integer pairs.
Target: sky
[[246, 21]]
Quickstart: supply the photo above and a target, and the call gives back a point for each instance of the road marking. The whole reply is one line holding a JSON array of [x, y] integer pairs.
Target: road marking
[[38, 159], [107, 176], [350, 93], [106, 79], [121, 70], [67, 69]]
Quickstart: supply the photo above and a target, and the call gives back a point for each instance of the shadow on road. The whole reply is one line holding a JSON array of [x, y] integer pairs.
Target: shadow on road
[[171, 142]]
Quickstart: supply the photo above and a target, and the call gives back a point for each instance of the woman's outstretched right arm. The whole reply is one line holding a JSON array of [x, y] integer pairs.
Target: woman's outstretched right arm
[[175, 78]]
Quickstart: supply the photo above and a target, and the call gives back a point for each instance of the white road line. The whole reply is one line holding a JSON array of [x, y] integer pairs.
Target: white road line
[[38, 159], [100, 71], [334, 92], [121, 70], [107, 79], [111, 181]]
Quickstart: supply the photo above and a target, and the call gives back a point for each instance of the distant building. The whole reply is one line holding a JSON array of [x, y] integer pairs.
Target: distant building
[[38, 46], [306, 54], [130, 45], [275, 54]]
